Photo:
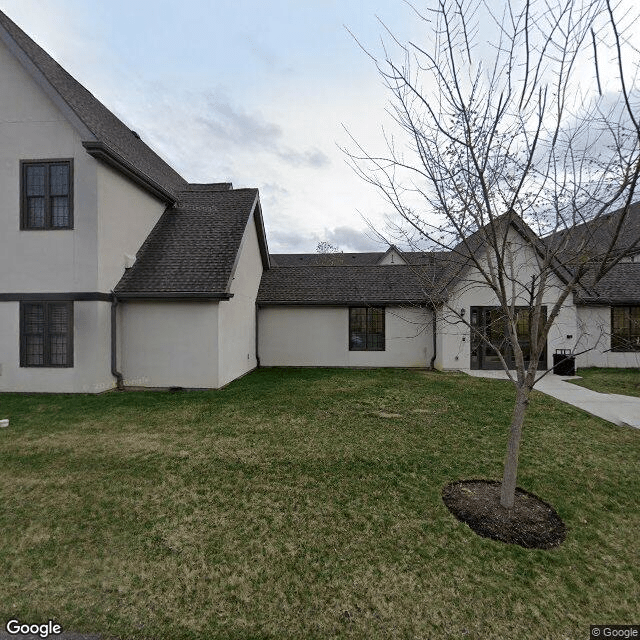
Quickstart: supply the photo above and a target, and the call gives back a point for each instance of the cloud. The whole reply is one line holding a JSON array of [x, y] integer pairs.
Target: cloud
[[228, 123], [266, 55], [210, 123], [314, 158], [273, 196], [281, 241], [347, 239], [351, 239], [251, 120]]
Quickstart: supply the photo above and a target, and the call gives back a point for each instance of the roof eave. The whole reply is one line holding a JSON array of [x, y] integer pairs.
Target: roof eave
[[173, 296], [606, 302], [340, 303], [101, 151], [262, 241], [262, 235]]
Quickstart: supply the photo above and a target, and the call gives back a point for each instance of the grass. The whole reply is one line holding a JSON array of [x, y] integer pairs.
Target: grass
[[622, 381], [307, 504]]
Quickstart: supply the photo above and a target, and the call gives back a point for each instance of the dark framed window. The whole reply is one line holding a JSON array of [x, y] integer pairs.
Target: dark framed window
[[366, 329], [46, 334], [490, 336], [46, 194], [625, 328]]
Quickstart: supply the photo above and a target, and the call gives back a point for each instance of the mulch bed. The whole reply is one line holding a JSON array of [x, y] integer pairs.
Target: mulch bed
[[532, 523]]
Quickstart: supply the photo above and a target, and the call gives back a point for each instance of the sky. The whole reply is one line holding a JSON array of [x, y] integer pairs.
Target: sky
[[261, 94], [257, 93]]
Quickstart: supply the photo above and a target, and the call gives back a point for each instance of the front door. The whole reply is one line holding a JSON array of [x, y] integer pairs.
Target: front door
[[489, 322]]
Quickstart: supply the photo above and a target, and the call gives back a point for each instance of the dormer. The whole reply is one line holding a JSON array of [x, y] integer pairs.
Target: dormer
[[392, 256]]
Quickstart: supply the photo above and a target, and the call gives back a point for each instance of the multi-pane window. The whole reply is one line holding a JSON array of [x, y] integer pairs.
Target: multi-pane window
[[46, 192], [366, 329], [625, 328], [46, 334]]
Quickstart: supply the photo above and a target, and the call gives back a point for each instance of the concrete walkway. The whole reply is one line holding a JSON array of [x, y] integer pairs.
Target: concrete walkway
[[621, 410]]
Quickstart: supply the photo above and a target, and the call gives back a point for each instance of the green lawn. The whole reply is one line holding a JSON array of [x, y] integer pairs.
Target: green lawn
[[301, 504], [623, 381]]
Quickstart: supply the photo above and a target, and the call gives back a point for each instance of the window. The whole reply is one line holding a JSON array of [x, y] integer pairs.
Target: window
[[366, 329], [489, 329], [46, 194], [625, 328], [46, 334]]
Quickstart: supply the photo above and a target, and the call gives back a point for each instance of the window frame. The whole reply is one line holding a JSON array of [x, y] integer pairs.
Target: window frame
[[46, 304], [24, 215], [625, 341], [368, 333]]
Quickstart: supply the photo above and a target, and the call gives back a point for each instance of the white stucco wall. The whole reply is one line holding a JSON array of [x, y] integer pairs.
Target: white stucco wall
[[319, 337], [453, 349], [126, 215], [169, 344], [91, 372], [595, 329], [111, 218], [48, 261], [237, 317], [32, 128]]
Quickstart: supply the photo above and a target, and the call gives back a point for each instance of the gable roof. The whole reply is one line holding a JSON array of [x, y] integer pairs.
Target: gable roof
[[461, 258], [351, 278], [345, 285], [193, 249], [104, 135], [393, 251]]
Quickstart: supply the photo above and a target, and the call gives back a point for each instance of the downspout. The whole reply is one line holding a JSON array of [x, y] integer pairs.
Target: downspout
[[433, 358], [256, 332], [114, 371]]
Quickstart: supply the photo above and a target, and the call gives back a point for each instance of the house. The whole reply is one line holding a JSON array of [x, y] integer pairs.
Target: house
[[114, 270], [109, 260]]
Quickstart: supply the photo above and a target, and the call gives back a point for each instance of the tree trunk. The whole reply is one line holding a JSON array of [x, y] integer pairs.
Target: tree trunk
[[508, 491]]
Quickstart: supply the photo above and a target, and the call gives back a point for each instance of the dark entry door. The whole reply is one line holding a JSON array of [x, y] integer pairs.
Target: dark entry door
[[490, 322]]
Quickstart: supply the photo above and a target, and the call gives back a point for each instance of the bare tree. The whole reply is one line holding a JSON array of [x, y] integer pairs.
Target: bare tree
[[514, 154], [326, 247], [328, 254]]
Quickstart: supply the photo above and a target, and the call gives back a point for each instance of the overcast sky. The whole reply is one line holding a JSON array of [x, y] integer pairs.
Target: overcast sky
[[248, 91]]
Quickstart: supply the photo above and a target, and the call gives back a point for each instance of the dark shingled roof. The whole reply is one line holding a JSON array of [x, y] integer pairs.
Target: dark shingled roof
[[371, 258], [109, 132], [345, 278], [193, 248], [620, 286], [596, 236], [371, 284], [323, 259], [210, 186]]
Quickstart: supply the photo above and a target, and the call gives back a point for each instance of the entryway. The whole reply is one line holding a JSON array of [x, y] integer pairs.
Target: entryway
[[490, 322]]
